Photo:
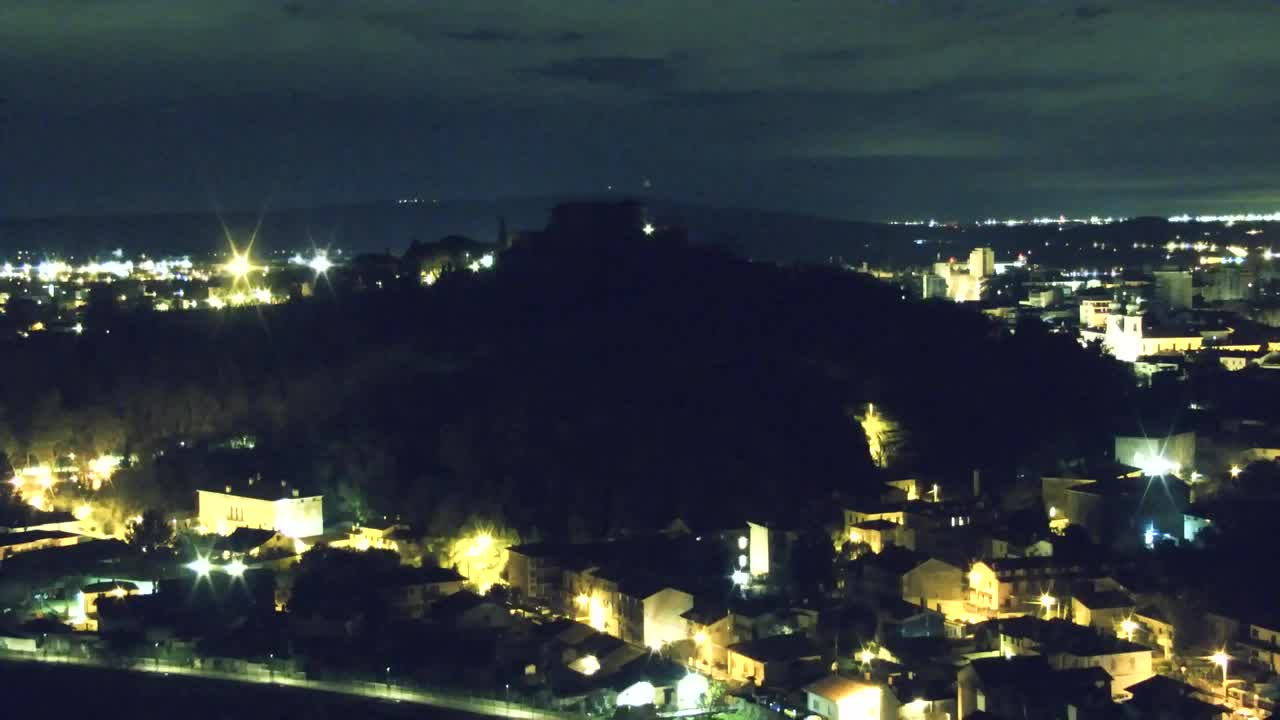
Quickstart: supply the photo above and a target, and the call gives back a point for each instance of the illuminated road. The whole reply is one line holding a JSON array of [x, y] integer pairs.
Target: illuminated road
[[380, 691]]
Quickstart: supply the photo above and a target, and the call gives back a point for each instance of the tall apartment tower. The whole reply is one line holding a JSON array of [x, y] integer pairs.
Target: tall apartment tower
[[982, 262]]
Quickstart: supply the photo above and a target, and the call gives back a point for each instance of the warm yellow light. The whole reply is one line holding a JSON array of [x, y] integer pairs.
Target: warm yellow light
[[1128, 627], [866, 656], [582, 600], [83, 512], [117, 593], [238, 266], [700, 637], [104, 466], [1235, 471], [235, 568], [1220, 659]]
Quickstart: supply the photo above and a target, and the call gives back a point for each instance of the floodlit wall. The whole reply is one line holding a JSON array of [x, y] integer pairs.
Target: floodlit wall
[[294, 517], [662, 621]]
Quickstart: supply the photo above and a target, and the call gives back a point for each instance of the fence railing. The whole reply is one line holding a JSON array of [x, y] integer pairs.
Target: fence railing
[[388, 687]]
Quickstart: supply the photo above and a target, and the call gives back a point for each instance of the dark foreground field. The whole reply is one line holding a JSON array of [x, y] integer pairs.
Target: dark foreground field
[[41, 690]]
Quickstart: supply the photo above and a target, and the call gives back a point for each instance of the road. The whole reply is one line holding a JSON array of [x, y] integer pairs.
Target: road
[[381, 691]]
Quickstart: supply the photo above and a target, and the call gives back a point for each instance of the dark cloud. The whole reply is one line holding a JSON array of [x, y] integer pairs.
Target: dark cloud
[[628, 73], [482, 35], [863, 109], [1090, 12]]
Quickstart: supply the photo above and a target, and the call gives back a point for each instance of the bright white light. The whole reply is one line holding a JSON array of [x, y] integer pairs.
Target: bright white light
[[486, 260], [690, 691], [1156, 466], [235, 568], [740, 578], [200, 566], [1235, 471], [649, 229], [320, 263]]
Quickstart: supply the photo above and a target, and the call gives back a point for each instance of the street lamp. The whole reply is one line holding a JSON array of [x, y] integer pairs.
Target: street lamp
[[200, 566], [1128, 627], [1221, 658], [156, 655], [388, 681], [1235, 471], [271, 667], [1048, 602]]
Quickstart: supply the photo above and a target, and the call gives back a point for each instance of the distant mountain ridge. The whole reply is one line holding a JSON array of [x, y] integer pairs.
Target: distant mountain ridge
[[392, 226]]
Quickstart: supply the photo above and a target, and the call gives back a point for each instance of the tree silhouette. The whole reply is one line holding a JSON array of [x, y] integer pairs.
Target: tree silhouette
[[149, 533]]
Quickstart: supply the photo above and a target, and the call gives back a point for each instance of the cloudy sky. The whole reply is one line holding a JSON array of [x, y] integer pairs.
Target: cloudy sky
[[868, 109]]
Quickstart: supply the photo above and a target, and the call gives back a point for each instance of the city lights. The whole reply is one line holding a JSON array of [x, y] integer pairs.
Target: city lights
[[200, 566], [1235, 471], [235, 568], [1128, 627]]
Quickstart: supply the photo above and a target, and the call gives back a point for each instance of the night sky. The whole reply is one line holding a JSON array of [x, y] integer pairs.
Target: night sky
[[865, 109]]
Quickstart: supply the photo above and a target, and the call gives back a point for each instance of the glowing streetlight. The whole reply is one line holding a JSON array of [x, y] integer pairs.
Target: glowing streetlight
[[740, 578], [1047, 602], [320, 263], [700, 638], [200, 566], [1128, 627], [1221, 659], [866, 656], [235, 568], [1235, 471], [649, 229], [238, 266]]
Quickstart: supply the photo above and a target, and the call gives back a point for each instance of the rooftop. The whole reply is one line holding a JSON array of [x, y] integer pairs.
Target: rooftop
[[838, 687], [260, 489], [108, 586], [29, 536], [243, 540], [778, 647]]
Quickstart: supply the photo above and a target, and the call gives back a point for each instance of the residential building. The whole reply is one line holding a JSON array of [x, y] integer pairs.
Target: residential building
[[836, 697], [936, 585], [1104, 611], [1155, 630], [244, 542], [1013, 586], [1067, 646], [12, 543], [263, 506], [465, 610], [770, 660], [1027, 687], [1263, 645]]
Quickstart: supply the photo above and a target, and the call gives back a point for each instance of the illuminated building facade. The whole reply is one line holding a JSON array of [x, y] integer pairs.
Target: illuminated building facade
[[836, 697], [286, 511]]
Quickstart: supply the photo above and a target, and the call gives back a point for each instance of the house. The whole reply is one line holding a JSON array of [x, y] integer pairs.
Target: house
[[879, 534], [711, 628], [261, 505], [836, 697], [13, 543], [410, 590], [465, 610], [1102, 610], [1163, 698], [770, 660], [90, 593], [244, 542], [1015, 585], [373, 535], [1154, 629], [935, 584], [1068, 646], [1263, 644], [1021, 687]]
